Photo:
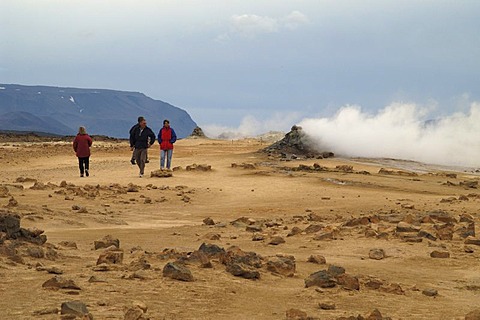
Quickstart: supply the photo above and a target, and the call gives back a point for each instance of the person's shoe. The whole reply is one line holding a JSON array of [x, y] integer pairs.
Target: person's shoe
[[147, 161], [140, 175], [81, 175], [86, 173], [132, 161]]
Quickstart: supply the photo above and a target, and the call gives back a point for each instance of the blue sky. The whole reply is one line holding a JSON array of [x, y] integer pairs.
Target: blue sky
[[251, 65]]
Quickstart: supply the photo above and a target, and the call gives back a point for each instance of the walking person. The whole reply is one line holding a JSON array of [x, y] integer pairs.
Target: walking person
[[166, 139], [132, 160], [141, 138], [81, 146]]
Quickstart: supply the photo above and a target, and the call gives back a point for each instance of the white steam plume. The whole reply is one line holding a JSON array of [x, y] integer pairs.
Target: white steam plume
[[251, 126], [399, 131]]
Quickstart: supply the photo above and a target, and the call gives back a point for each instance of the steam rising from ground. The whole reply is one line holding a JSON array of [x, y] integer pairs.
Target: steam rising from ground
[[400, 131]]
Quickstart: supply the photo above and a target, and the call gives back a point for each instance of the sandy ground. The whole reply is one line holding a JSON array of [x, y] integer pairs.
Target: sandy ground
[[167, 213]]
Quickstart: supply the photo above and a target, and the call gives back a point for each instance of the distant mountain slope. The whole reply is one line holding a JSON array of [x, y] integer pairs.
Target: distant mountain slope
[[104, 112]]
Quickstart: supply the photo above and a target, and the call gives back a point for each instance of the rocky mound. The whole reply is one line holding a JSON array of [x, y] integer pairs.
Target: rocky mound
[[197, 133], [295, 144]]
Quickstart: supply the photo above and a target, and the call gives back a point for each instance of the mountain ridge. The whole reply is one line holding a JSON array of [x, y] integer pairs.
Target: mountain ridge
[[102, 111]]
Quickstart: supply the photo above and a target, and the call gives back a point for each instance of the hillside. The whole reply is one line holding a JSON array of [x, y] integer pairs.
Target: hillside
[[61, 111]]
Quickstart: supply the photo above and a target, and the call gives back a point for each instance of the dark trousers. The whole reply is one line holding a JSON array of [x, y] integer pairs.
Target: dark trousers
[[141, 157], [83, 163], [133, 156]]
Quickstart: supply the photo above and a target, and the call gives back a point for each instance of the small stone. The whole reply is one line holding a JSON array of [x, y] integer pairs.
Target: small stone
[[327, 305], [106, 242], [178, 272], [376, 254], [472, 241], [440, 254], [430, 292], [318, 259], [276, 240], [111, 257], [59, 282], [283, 265], [322, 279], [208, 221], [296, 314], [76, 308], [294, 232]]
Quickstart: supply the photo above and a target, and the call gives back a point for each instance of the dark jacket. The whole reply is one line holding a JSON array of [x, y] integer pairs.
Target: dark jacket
[[142, 139], [131, 131], [81, 145], [166, 138]]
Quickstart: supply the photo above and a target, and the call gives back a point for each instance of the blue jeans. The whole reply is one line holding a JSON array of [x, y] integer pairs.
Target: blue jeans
[[162, 158]]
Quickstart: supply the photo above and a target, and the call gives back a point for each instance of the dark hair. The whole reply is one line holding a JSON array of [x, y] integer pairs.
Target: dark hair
[[140, 119], [166, 121]]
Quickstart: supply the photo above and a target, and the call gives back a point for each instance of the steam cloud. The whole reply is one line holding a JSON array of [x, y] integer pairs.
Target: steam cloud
[[400, 131]]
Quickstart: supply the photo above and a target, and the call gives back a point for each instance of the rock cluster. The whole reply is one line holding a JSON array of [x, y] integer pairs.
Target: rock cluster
[[297, 144], [197, 133]]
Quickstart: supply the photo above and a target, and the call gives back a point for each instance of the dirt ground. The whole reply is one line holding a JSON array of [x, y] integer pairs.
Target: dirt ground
[[168, 213]]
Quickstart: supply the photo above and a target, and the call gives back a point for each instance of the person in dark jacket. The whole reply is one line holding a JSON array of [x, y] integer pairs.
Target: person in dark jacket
[[132, 160], [81, 146], [141, 139], [166, 139]]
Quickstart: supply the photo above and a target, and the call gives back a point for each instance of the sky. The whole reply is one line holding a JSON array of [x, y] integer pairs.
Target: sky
[[253, 66]]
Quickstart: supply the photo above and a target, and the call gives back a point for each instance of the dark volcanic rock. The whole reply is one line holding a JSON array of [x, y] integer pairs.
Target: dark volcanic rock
[[197, 133], [284, 265], [76, 308], [177, 271], [297, 142], [322, 279], [242, 270]]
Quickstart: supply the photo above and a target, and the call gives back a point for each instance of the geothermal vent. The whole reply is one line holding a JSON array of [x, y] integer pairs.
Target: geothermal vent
[[297, 144]]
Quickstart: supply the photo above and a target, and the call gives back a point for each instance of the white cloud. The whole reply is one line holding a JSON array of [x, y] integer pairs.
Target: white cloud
[[294, 20], [252, 25], [249, 25]]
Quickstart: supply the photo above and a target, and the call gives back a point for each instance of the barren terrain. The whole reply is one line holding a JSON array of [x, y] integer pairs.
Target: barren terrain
[[339, 209]]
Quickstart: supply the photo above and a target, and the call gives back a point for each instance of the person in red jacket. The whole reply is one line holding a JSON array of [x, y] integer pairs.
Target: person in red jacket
[[166, 139], [81, 145]]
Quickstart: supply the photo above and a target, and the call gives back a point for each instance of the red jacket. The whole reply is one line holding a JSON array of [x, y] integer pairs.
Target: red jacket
[[166, 138], [81, 145]]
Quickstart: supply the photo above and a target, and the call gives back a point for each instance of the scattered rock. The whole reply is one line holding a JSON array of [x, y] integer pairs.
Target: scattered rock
[[295, 230], [430, 292], [296, 314], [177, 271], [318, 259], [440, 254], [58, 282], [106, 242], [208, 221], [283, 265], [276, 240], [110, 257], [199, 167], [322, 279], [241, 270], [327, 306], [376, 254], [161, 174], [76, 308]]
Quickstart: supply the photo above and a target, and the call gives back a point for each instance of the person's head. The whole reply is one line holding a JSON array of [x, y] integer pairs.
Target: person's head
[[140, 119], [143, 123], [82, 130], [166, 123]]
